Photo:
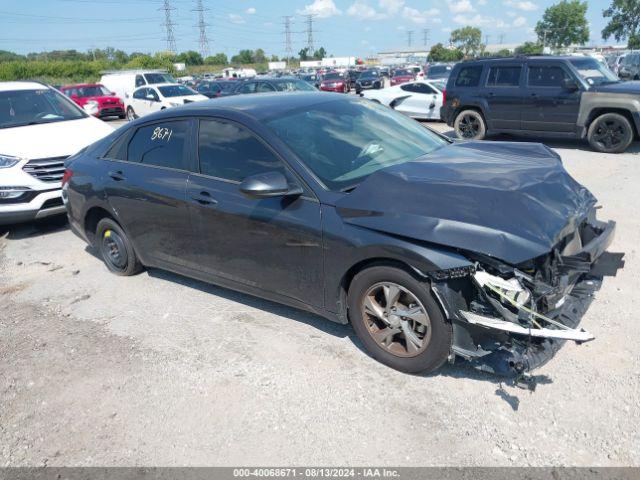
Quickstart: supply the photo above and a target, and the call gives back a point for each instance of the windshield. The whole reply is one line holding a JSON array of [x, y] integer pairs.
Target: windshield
[[593, 72], [293, 85], [403, 73], [332, 76], [368, 75], [33, 107], [176, 91], [90, 91], [153, 78], [343, 142]]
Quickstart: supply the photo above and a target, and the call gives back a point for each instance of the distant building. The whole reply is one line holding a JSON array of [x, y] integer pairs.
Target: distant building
[[404, 55], [496, 47]]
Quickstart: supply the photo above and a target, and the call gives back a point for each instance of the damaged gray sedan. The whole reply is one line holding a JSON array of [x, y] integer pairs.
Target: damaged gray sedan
[[430, 249]]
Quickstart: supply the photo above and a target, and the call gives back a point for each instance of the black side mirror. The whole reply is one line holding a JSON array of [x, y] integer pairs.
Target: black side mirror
[[570, 85], [268, 185]]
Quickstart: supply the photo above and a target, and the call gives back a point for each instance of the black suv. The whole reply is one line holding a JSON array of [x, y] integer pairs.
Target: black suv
[[573, 97]]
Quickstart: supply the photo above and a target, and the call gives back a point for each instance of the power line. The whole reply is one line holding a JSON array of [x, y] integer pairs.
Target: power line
[[203, 41], [168, 24], [425, 36], [409, 37], [287, 36], [310, 46]]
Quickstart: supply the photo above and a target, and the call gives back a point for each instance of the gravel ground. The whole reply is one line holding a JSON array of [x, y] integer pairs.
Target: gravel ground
[[158, 369]]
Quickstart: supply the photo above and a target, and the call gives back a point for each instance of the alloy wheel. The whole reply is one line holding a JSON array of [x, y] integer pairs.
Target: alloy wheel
[[469, 126], [396, 320], [609, 133]]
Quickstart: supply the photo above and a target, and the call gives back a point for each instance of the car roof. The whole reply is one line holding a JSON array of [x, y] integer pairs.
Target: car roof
[[80, 85], [260, 105], [162, 85], [549, 58], [25, 85]]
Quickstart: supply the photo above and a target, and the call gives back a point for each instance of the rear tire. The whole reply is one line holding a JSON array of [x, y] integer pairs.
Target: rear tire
[[610, 133], [116, 249], [427, 342], [470, 125]]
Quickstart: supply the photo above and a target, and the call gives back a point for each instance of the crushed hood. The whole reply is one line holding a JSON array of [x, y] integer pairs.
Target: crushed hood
[[511, 201]]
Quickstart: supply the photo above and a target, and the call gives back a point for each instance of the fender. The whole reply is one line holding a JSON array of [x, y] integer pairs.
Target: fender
[[591, 101]]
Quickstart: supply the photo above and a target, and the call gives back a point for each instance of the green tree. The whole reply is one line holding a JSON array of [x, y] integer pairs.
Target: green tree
[[190, 57], [259, 56], [564, 23], [217, 59], [6, 56], [304, 54], [243, 57], [468, 39], [319, 54], [274, 58], [633, 42], [529, 48], [439, 53], [625, 20]]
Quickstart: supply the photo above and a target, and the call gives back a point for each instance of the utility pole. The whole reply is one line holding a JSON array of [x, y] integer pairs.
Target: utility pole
[[168, 24], [203, 41], [310, 46], [425, 36], [409, 37], [544, 37], [501, 38], [287, 37]]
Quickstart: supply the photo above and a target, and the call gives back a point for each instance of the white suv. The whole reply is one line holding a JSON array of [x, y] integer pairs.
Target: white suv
[[39, 129]]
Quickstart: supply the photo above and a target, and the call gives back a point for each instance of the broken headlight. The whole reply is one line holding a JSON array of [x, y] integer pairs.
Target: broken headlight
[[510, 290]]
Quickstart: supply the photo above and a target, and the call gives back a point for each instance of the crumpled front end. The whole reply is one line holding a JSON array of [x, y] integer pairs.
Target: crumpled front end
[[509, 320]]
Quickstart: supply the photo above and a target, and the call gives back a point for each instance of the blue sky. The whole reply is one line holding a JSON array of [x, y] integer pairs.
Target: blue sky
[[343, 27]]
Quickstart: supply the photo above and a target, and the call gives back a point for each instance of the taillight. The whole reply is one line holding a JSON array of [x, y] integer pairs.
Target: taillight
[[68, 173], [444, 97]]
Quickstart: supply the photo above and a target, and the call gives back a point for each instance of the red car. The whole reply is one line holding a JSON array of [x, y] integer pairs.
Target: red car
[[107, 103], [402, 76], [335, 82]]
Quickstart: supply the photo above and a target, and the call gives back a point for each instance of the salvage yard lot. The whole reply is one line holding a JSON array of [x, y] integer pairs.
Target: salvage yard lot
[[158, 369]]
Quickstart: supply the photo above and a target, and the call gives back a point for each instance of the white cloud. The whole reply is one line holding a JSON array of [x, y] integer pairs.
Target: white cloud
[[512, 14], [436, 20], [250, 11], [364, 11], [460, 6], [477, 20], [321, 8], [482, 2], [525, 5], [520, 22], [367, 29], [233, 18], [391, 6], [419, 17], [446, 29]]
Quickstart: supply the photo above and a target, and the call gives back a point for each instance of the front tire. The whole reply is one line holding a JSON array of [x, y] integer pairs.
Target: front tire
[[131, 114], [470, 125], [398, 321], [116, 249], [610, 133]]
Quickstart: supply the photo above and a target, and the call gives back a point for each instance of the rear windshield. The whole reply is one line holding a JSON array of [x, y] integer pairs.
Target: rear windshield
[[439, 70], [403, 73], [293, 86], [332, 76], [34, 107], [153, 78]]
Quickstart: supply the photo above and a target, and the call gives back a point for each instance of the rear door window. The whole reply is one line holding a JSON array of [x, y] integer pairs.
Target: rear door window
[[469, 76], [418, 88], [161, 144], [504, 76]]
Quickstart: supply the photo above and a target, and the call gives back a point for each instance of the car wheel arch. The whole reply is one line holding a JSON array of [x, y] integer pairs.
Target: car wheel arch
[[367, 263], [598, 111], [92, 218]]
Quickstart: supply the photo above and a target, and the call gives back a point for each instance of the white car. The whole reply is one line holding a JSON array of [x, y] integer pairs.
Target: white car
[[153, 98], [420, 99], [39, 129]]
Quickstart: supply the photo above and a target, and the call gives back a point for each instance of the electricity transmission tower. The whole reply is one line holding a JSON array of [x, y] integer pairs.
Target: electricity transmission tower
[[203, 41], [168, 24], [501, 38], [425, 36], [409, 37], [287, 37], [310, 46]]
